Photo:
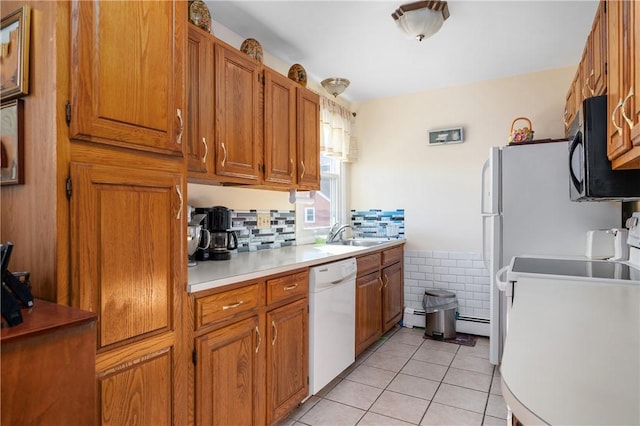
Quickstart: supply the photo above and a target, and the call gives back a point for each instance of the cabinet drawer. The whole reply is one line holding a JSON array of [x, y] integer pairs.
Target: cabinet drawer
[[368, 263], [392, 255], [287, 286], [218, 306]]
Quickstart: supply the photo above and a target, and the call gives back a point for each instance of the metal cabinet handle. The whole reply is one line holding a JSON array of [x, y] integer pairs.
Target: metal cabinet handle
[[613, 117], [275, 332], [224, 151], [233, 305], [381, 283], [386, 280], [292, 166], [259, 339], [206, 150], [179, 191], [624, 105], [291, 287], [304, 169], [181, 128], [588, 85]]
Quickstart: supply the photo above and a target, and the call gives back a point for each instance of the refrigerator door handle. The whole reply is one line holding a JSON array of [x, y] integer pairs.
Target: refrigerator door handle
[[485, 167], [502, 285]]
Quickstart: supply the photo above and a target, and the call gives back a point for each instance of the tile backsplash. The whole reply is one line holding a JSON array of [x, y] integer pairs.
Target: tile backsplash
[[376, 223], [462, 273], [280, 233]]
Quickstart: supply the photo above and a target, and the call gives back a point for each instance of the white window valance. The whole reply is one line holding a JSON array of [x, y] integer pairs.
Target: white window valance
[[336, 139]]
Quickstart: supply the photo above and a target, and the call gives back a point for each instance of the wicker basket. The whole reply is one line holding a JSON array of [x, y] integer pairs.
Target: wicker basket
[[523, 134]]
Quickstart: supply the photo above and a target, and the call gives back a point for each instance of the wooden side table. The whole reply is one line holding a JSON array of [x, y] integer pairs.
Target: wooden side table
[[48, 367]]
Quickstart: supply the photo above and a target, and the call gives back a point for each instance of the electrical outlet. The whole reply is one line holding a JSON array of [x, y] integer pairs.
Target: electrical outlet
[[264, 220]]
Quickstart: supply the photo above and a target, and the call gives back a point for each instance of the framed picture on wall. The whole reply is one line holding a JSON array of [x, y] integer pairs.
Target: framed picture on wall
[[11, 143], [446, 136], [14, 54]]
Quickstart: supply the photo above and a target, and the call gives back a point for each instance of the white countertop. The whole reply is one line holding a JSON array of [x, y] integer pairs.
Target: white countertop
[[572, 352], [246, 266]]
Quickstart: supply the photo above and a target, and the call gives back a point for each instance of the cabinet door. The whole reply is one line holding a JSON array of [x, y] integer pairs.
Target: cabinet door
[[200, 96], [597, 76], [279, 128], [368, 310], [392, 296], [238, 132], [615, 143], [308, 134], [127, 77], [287, 358], [227, 375], [127, 261], [635, 100]]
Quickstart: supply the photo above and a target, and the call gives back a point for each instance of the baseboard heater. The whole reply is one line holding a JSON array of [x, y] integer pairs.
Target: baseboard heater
[[471, 325]]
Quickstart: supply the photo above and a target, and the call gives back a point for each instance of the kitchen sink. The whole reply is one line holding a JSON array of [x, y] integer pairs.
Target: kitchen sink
[[358, 242]]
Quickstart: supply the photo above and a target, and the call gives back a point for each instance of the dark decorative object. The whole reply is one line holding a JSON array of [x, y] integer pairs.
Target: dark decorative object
[[199, 15], [252, 48], [298, 74], [14, 54], [11, 144], [460, 339]]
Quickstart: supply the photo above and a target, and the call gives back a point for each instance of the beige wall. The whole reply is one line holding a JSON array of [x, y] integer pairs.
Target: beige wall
[[439, 186]]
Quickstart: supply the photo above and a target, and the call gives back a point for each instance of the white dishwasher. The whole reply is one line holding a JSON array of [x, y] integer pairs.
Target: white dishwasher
[[332, 321]]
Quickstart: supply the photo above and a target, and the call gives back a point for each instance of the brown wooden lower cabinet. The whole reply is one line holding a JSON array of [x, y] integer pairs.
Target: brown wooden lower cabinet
[[368, 308], [227, 375], [287, 358], [48, 367], [379, 295], [251, 350]]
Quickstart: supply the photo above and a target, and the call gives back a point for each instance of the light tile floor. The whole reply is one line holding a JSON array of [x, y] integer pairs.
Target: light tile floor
[[404, 379]]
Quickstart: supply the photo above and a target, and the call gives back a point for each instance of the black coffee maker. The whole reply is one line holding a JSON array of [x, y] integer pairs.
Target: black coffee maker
[[218, 222]]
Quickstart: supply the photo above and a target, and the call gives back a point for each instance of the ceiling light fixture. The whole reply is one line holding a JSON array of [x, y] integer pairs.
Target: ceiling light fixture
[[421, 19], [335, 85]]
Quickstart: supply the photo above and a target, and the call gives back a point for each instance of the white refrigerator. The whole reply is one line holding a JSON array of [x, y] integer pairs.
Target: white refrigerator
[[526, 210]]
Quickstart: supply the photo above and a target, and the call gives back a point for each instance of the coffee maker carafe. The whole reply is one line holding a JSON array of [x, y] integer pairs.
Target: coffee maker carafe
[[218, 222]]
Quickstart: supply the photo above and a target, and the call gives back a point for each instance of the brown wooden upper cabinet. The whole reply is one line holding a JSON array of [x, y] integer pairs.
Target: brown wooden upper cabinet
[[590, 79], [308, 104], [623, 77], [238, 123], [127, 78], [200, 103], [265, 127], [292, 133], [279, 129]]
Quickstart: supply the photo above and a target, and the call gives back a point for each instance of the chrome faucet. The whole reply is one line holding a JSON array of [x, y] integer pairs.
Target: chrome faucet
[[335, 233]]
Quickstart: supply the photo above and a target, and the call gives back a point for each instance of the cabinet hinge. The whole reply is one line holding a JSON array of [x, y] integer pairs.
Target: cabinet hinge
[[67, 112], [194, 357], [69, 188]]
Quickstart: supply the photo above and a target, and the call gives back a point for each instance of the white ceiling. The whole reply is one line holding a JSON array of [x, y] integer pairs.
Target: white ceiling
[[359, 40]]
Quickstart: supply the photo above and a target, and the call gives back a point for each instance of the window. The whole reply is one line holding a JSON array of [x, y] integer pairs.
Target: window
[[316, 218], [309, 215]]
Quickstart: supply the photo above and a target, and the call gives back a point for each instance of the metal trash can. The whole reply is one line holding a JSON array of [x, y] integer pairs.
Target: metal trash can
[[440, 307]]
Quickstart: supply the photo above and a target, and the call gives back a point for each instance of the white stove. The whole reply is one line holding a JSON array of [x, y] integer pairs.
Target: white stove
[[573, 268], [578, 267]]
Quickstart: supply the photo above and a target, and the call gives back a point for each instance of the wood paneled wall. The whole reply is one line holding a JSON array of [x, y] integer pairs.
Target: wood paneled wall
[[35, 215]]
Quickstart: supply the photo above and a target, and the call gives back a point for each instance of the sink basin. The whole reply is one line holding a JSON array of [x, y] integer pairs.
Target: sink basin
[[358, 243]]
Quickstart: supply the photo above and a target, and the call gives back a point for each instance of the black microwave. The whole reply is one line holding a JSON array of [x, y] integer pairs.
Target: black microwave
[[590, 172]]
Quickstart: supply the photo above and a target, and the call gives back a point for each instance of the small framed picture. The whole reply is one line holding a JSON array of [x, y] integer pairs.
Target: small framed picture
[[11, 143], [446, 136], [14, 54]]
